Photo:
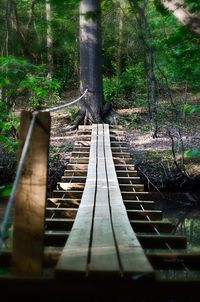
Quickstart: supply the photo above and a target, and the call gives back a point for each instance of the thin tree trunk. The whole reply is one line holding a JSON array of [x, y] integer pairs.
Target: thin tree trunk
[[90, 58], [120, 39], [150, 65], [24, 35], [50, 61], [7, 22]]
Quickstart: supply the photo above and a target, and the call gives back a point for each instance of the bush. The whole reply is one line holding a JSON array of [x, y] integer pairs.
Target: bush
[[19, 78], [122, 90]]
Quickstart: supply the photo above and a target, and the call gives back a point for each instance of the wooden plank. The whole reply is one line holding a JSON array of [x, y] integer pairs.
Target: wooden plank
[[103, 254], [149, 226], [29, 208], [74, 257], [137, 205], [125, 167], [75, 173], [123, 173], [59, 223], [66, 202], [162, 241], [72, 179], [143, 214], [127, 195], [132, 258], [85, 160], [129, 180], [70, 186], [77, 166], [61, 212], [175, 260], [67, 194], [132, 187]]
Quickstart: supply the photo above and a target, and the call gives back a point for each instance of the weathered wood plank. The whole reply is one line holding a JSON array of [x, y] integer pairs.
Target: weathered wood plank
[[74, 257], [162, 241], [132, 257], [29, 208], [103, 253]]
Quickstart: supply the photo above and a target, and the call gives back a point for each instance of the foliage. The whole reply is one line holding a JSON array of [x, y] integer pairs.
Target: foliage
[[5, 190], [20, 78], [72, 113], [191, 108], [8, 128], [192, 153], [121, 91]]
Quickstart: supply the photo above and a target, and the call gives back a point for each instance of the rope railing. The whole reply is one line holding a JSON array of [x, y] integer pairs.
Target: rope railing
[[65, 105], [6, 218]]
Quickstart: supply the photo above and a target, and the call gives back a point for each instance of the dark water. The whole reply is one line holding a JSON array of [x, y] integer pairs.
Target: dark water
[[186, 222]]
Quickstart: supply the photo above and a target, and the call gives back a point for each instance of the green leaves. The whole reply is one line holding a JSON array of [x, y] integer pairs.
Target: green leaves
[[191, 108], [193, 153], [5, 190]]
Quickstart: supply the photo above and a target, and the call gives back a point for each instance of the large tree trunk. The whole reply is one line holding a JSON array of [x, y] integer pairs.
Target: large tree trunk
[[181, 12], [90, 59]]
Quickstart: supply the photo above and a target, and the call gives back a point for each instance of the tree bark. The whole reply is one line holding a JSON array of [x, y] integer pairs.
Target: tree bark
[[181, 12], [120, 38], [149, 60], [90, 59], [50, 63], [24, 34]]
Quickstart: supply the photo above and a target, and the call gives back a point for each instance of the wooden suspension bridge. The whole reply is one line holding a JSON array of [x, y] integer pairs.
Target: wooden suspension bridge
[[99, 237]]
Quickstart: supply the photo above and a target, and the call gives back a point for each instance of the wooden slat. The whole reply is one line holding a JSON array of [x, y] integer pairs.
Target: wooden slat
[[72, 179], [143, 214], [75, 173], [137, 205], [150, 226], [162, 241]]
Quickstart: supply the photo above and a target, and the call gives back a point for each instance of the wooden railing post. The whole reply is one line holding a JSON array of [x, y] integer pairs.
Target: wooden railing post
[[29, 207]]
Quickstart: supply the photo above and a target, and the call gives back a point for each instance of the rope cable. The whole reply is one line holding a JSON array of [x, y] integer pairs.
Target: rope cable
[[6, 218]]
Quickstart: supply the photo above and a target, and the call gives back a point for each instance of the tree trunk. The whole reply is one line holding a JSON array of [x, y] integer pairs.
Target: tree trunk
[[50, 63], [149, 55], [90, 59], [120, 38], [23, 32], [181, 12]]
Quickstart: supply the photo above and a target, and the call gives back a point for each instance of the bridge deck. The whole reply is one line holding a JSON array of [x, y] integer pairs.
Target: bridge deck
[[102, 241]]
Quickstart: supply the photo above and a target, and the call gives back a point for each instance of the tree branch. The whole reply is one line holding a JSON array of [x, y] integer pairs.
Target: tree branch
[[181, 12]]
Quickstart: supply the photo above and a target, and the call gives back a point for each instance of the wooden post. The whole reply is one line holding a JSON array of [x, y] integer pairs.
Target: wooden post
[[29, 208]]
